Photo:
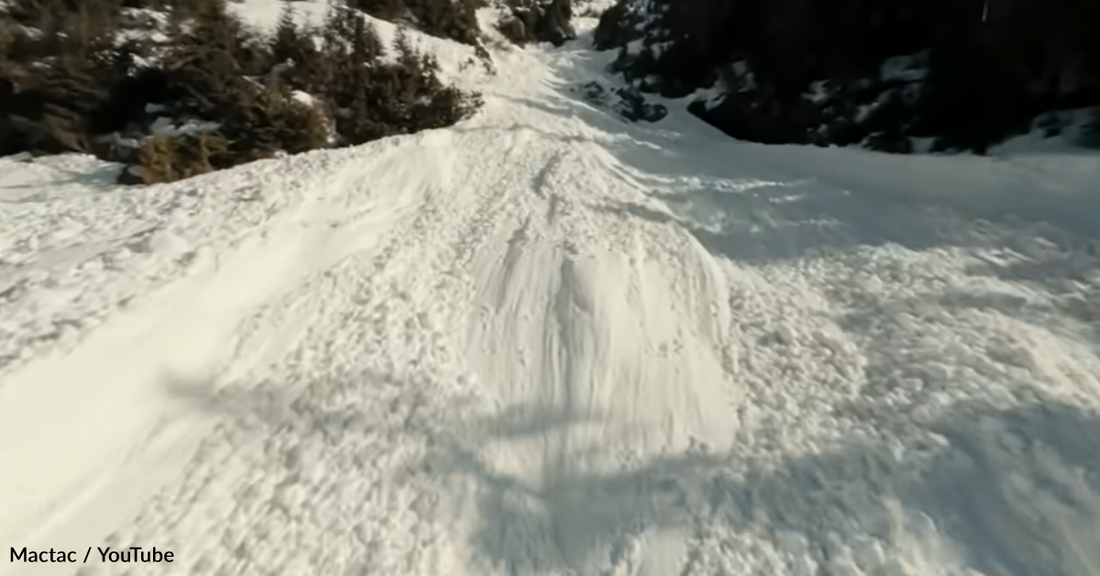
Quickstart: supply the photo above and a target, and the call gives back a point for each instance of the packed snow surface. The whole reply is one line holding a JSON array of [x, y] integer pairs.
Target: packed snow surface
[[550, 342]]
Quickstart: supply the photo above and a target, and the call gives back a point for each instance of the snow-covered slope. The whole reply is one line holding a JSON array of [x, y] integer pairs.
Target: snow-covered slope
[[548, 342]]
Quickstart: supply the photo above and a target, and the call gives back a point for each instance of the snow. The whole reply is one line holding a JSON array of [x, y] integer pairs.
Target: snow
[[165, 127], [264, 14], [547, 342]]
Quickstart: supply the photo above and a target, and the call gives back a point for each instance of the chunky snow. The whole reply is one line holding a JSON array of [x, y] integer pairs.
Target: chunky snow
[[549, 342]]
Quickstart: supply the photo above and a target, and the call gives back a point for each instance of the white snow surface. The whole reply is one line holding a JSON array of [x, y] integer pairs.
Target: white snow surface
[[550, 342]]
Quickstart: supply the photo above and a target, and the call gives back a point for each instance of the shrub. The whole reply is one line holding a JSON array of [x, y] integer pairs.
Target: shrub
[[165, 159], [273, 120], [242, 97]]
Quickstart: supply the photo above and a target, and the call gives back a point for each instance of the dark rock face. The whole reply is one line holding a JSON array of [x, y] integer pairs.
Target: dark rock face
[[628, 103], [738, 116], [633, 107], [617, 27], [967, 73], [542, 22]]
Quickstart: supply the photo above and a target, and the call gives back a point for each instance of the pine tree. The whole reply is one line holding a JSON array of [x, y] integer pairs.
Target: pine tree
[[287, 43], [366, 46]]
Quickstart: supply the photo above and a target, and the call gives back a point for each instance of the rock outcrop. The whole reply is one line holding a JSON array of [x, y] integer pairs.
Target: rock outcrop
[[541, 22]]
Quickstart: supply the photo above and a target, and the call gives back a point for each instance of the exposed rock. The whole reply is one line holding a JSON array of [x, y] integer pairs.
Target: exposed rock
[[633, 106], [743, 117], [618, 26], [554, 22], [626, 102], [517, 27], [543, 22], [131, 176]]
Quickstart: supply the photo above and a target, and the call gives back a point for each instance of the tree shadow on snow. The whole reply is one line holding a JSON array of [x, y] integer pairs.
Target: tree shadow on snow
[[1008, 492], [50, 175], [1016, 492]]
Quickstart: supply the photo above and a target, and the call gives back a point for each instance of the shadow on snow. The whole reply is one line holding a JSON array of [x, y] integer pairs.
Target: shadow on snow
[[1014, 492]]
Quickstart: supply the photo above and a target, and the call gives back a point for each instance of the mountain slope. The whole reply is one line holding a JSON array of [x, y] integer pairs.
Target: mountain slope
[[547, 341]]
